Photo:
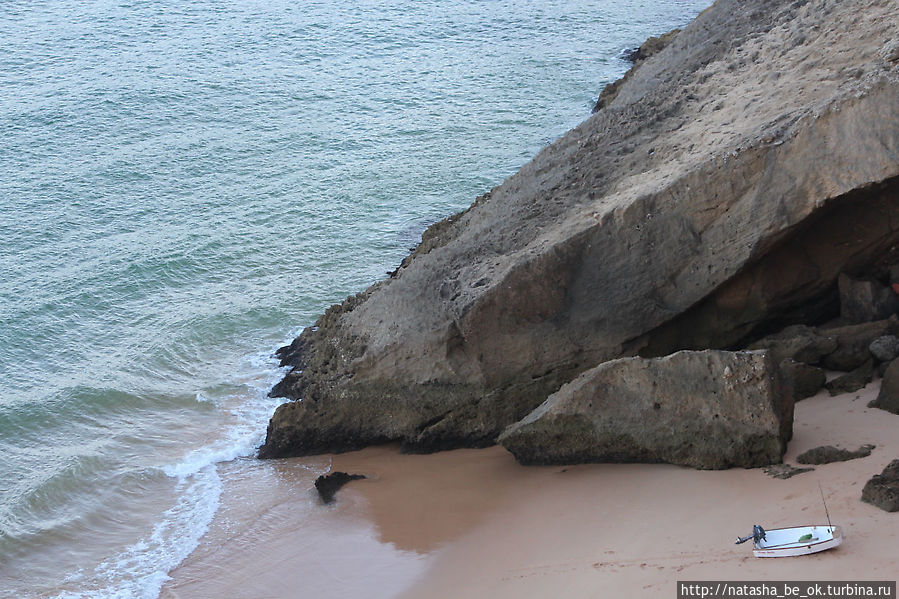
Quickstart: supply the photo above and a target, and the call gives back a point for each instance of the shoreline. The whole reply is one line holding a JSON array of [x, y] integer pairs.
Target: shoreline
[[475, 523]]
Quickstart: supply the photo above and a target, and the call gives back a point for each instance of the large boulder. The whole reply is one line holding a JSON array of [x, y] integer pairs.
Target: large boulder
[[734, 176], [709, 409]]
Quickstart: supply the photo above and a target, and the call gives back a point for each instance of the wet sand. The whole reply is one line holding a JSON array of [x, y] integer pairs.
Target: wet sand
[[473, 523]]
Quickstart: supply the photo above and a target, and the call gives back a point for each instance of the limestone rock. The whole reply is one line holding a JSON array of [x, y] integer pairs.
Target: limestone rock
[[828, 454], [716, 196], [888, 397], [804, 380], [650, 47], [709, 409], [883, 489]]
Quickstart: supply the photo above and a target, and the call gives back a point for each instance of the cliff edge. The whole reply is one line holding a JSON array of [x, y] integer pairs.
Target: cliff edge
[[720, 193]]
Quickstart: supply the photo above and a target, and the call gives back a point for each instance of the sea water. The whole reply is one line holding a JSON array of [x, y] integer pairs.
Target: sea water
[[185, 185]]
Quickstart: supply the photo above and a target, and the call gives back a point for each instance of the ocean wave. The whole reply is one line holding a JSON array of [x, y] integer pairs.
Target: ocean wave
[[139, 571]]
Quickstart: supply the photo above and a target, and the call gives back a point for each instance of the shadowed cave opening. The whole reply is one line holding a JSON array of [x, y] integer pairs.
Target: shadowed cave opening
[[795, 280]]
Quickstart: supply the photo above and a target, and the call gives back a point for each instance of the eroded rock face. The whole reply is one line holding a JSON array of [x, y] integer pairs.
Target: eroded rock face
[[650, 47], [709, 409], [734, 176]]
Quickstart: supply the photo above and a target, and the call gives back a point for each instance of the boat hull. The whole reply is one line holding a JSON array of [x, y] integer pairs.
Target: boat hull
[[784, 542]]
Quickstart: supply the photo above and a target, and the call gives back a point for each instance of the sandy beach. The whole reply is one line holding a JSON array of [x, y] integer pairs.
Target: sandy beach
[[473, 523]]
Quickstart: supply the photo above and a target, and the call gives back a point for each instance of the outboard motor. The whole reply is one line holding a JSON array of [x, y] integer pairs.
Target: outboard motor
[[758, 534]]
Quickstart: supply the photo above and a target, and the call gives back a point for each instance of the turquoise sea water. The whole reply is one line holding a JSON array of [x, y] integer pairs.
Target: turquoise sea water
[[184, 185]]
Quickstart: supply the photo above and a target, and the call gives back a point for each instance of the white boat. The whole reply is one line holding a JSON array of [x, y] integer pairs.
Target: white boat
[[797, 540]]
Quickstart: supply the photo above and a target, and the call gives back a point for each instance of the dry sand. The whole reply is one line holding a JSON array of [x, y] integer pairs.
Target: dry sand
[[472, 523]]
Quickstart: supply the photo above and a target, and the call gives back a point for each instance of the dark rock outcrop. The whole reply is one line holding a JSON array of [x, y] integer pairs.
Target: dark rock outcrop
[[852, 381], [883, 489], [837, 347], [735, 175], [828, 454], [800, 343], [888, 397], [854, 341], [710, 409], [327, 485], [803, 380], [885, 349], [864, 301]]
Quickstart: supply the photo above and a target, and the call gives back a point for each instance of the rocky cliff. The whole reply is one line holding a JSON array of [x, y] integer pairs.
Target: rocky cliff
[[720, 193]]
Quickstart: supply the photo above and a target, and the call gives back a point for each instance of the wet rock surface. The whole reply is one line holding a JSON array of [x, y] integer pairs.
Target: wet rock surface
[[327, 485]]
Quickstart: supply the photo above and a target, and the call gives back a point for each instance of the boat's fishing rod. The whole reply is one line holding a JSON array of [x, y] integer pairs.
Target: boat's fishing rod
[[825, 505]]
